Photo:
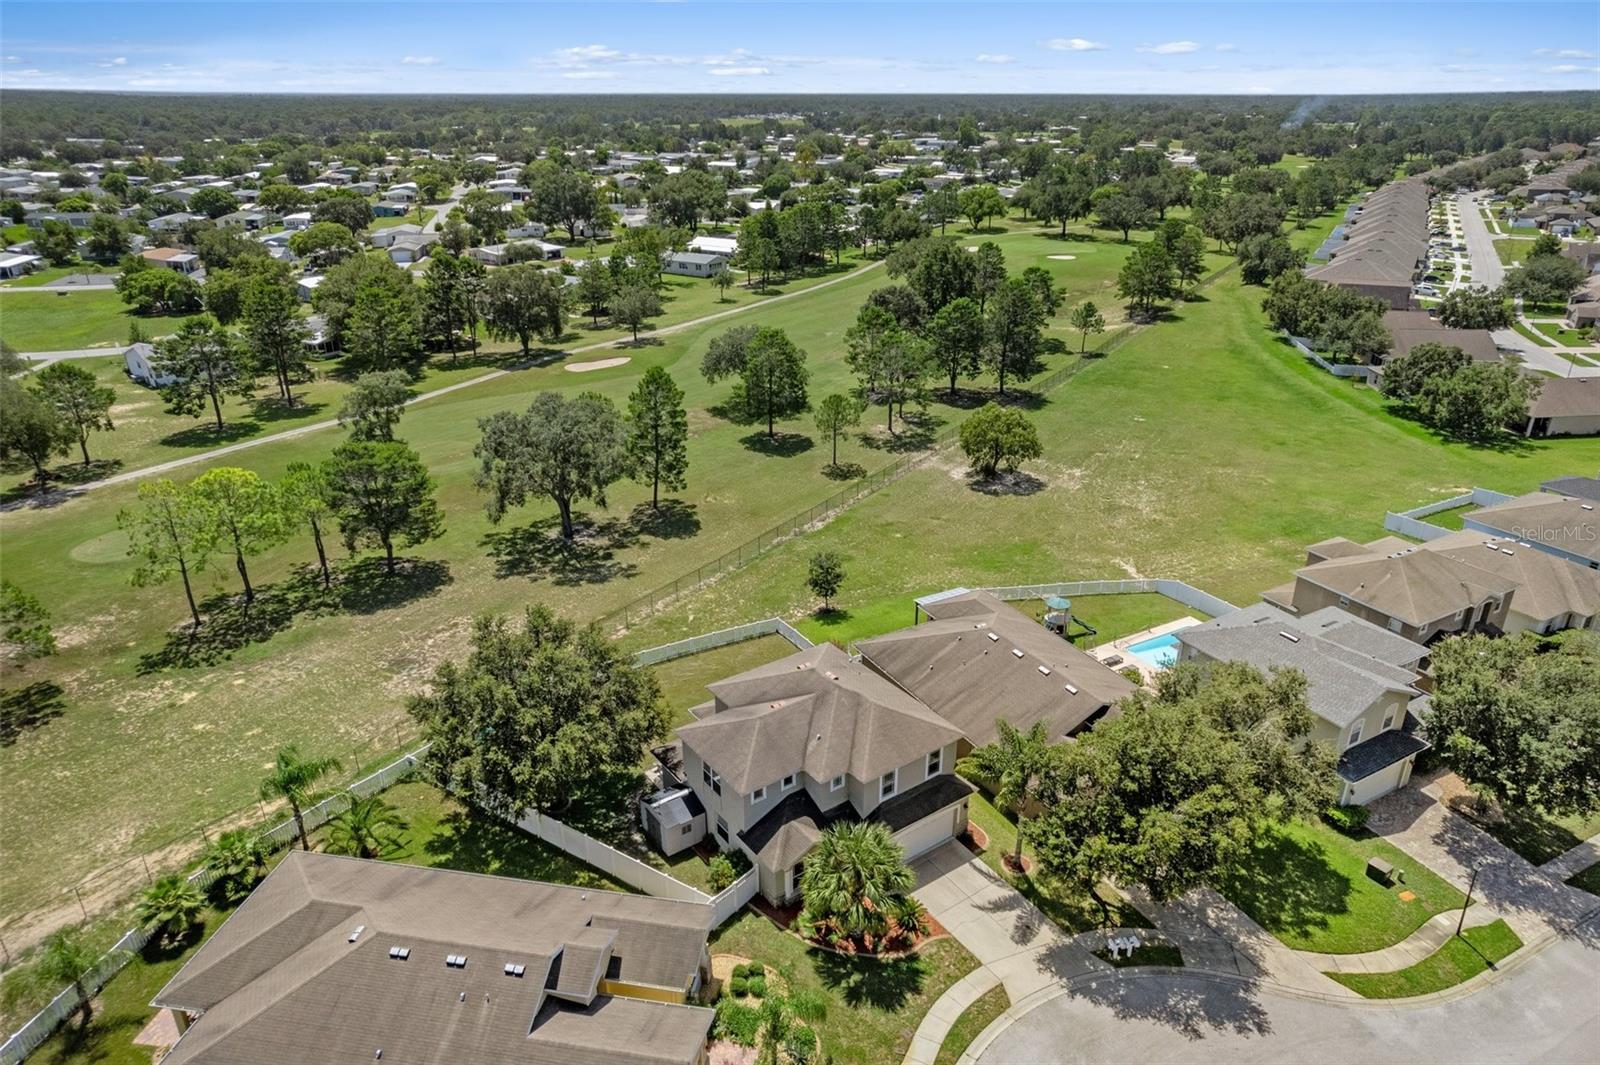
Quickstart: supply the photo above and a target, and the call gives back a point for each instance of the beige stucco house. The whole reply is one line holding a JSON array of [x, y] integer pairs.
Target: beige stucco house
[[1362, 680]]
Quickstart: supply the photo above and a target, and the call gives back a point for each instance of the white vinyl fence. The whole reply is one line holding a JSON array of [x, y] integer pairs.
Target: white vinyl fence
[[1338, 369], [721, 638], [1410, 523], [1187, 594]]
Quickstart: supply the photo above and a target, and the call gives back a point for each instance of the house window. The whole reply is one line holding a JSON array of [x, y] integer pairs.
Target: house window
[[836, 783], [712, 778], [887, 783], [722, 830], [757, 795], [686, 829], [1388, 719], [935, 762], [788, 782], [1355, 733], [1394, 625]]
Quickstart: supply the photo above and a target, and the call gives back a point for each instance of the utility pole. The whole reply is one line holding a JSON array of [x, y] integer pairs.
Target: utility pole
[[1471, 883]]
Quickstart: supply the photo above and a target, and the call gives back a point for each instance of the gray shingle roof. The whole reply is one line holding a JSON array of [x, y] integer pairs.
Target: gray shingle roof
[[815, 712], [287, 979], [973, 681], [1342, 682]]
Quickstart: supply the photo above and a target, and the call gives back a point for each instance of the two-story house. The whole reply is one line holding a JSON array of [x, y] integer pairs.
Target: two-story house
[[1420, 595], [789, 748], [1361, 680]]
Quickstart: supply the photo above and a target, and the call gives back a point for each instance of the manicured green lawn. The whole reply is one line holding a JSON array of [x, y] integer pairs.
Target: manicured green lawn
[[1571, 338], [683, 680], [1512, 250], [973, 1020], [56, 273], [1071, 910], [1460, 959], [442, 831], [62, 321], [1588, 880], [1307, 884], [874, 1006], [1536, 835], [1533, 334]]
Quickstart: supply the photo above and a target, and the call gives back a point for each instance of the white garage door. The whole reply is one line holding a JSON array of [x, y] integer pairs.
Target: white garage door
[[927, 833], [1378, 784]]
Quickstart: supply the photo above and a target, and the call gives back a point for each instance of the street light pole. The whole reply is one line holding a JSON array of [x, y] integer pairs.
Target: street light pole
[[1468, 900]]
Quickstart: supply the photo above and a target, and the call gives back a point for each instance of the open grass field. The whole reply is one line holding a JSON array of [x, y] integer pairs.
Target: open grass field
[[1571, 338], [1512, 250], [874, 1006], [1459, 960], [1307, 884], [61, 321], [683, 680], [132, 735], [1204, 450]]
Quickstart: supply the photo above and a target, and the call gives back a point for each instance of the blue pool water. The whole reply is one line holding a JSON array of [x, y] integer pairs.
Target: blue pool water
[[1158, 652]]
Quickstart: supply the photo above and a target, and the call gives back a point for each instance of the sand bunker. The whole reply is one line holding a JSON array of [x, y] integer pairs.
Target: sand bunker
[[598, 364], [1064, 258]]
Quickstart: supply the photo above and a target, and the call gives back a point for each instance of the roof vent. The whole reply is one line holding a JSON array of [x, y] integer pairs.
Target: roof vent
[[456, 961], [355, 933], [379, 1055], [1291, 637], [1071, 689], [463, 997], [1016, 652], [995, 637], [1507, 551], [1045, 670], [515, 970], [1586, 506], [399, 953]]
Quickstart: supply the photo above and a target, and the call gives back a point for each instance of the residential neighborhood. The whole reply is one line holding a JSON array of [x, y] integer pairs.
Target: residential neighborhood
[[799, 535]]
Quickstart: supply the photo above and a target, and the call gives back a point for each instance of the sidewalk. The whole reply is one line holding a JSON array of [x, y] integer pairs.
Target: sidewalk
[[1570, 864], [1409, 951]]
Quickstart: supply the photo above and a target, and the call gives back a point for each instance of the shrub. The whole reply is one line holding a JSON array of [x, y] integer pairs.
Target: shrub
[[801, 1046], [736, 1023], [1131, 673], [757, 986], [737, 984], [720, 874], [1347, 819], [755, 968]]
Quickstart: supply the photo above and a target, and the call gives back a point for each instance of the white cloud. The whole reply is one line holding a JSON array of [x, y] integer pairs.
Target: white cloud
[[120, 61], [994, 57], [1572, 68], [421, 60], [589, 52], [739, 72], [588, 75], [1169, 48], [13, 59], [1566, 53], [1073, 44], [1225, 48]]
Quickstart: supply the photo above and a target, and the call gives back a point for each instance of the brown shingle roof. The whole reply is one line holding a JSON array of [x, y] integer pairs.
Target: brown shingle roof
[[1547, 586], [289, 978], [971, 680], [815, 712], [1415, 586], [1565, 522]]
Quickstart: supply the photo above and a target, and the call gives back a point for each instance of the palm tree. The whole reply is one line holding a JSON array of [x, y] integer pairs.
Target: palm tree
[[370, 828], [778, 1016], [1011, 764], [854, 876], [238, 858], [292, 779], [171, 905], [66, 959]]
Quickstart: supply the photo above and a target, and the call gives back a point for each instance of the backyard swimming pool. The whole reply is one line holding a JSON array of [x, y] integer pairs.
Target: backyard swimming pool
[[1158, 652]]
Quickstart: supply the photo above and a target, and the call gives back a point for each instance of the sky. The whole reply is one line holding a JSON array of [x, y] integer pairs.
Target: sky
[[769, 47]]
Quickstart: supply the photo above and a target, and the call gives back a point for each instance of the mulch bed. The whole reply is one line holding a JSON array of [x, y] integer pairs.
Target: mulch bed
[[783, 918], [974, 839]]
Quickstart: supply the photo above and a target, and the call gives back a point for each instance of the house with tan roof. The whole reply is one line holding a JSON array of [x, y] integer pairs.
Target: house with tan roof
[[1552, 593], [1361, 682], [1393, 583], [343, 959], [1565, 526], [785, 750]]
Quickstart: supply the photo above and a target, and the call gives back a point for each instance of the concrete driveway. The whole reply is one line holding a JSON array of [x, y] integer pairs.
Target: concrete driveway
[[1006, 933], [1542, 1010]]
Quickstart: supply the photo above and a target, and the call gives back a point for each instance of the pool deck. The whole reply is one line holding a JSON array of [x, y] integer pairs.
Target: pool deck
[[1119, 647]]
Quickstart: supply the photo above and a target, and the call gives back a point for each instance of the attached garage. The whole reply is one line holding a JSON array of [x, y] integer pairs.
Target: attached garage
[[928, 833], [1379, 784]]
